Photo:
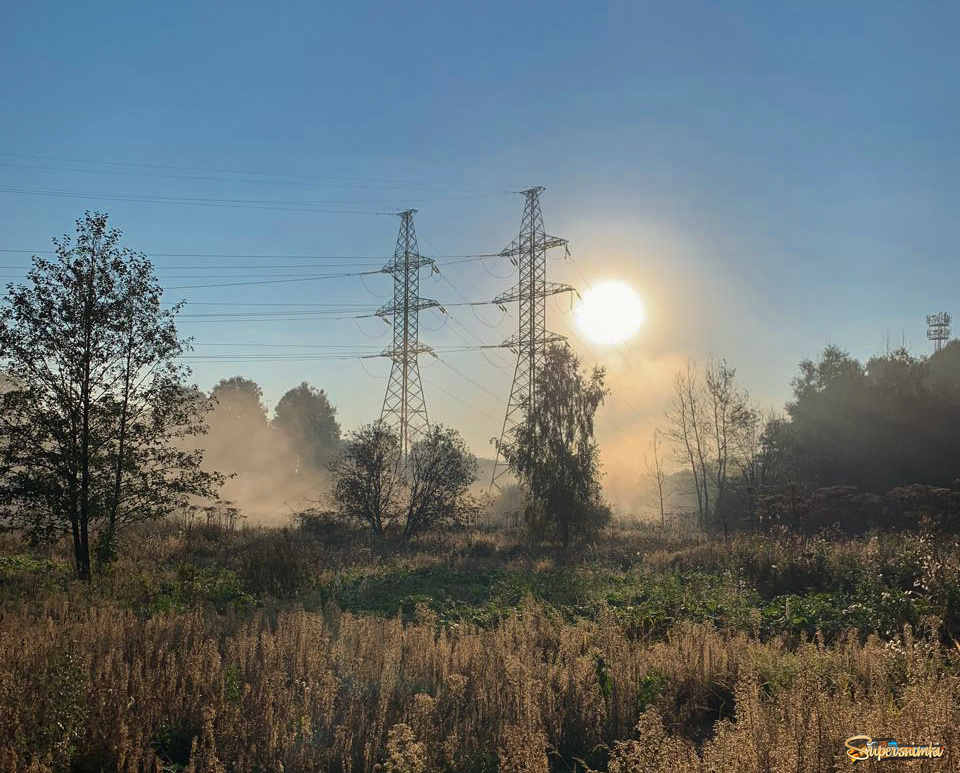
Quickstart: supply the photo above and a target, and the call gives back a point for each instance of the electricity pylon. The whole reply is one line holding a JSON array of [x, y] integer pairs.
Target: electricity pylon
[[404, 408], [529, 252]]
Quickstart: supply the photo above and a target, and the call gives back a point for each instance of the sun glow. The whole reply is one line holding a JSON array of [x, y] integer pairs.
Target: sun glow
[[609, 312]]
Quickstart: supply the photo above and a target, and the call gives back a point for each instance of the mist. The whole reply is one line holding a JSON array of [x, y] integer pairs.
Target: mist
[[275, 466]]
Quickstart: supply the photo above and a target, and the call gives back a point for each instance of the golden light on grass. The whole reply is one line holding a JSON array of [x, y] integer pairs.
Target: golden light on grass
[[609, 312]]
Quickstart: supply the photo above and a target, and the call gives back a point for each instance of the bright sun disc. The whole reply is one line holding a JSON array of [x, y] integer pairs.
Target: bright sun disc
[[610, 312]]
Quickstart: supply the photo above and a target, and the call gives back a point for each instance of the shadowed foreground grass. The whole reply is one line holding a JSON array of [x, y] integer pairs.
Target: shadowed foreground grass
[[304, 650]]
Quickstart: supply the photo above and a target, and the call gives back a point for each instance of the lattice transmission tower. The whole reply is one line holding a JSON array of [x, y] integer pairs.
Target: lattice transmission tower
[[529, 252], [404, 408], [938, 329]]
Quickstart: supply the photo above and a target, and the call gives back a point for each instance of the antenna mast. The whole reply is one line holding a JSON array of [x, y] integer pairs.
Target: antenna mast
[[938, 329]]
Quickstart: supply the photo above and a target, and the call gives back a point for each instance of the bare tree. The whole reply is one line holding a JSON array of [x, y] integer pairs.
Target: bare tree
[[656, 469], [729, 418], [762, 460], [706, 422], [686, 427]]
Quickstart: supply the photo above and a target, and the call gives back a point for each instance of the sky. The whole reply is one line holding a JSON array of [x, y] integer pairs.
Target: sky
[[770, 178]]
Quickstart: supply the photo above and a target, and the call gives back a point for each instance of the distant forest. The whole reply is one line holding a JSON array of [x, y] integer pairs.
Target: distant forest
[[859, 444]]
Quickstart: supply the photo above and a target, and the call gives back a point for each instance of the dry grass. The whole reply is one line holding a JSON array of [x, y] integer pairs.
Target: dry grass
[[89, 683]]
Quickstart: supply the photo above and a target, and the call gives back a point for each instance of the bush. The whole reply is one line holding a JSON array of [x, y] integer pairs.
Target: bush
[[276, 562]]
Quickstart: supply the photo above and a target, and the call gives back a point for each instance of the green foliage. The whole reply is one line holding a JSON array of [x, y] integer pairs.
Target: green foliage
[[553, 452], [652, 687], [373, 483], [368, 477], [232, 683], [97, 398], [276, 563], [188, 587], [877, 425], [650, 603], [604, 679], [24, 575], [58, 709], [305, 415], [240, 402], [172, 743], [439, 472]]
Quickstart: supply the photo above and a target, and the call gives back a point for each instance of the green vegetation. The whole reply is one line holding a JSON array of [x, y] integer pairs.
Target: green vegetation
[[347, 649]]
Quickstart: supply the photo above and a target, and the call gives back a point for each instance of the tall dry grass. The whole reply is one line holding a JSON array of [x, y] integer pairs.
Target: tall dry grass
[[86, 689]]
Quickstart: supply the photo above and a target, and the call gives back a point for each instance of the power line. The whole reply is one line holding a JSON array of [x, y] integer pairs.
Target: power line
[[301, 202], [317, 313], [235, 180], [318, 277], [164, 268], [305, 356], [459, 399], [467, 378], [276, 345], [128, 198], [230, 255], [264, 303], [299, 175]]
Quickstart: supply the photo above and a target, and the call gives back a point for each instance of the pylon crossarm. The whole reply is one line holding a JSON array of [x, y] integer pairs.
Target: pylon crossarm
[[522, 292], [517, 247]]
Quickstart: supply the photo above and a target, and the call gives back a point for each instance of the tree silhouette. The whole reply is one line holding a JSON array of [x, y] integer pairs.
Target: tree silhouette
[[98, 399], [305, 416], [554, 454]]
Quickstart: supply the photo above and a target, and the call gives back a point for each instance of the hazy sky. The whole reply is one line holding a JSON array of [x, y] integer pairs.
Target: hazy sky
[[769, 177]]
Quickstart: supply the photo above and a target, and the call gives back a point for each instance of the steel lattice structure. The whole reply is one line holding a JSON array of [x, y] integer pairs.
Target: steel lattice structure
[[938, 329], [529, 252], [404, 408]]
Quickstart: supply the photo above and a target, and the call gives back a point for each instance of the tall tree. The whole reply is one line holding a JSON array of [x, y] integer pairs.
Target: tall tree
[[887, 423], [240, 438], [368, 477], [88, 430], [554, 453], [241, 400], [305, 416]]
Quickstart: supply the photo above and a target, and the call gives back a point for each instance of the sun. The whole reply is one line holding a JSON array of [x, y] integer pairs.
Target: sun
[[609, 313]]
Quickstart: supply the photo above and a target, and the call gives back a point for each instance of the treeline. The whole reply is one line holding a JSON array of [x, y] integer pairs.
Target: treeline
[[866, 441], [302, 436]]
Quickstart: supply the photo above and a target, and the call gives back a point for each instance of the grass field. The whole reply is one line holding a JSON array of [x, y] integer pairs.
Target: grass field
[[316, 648]]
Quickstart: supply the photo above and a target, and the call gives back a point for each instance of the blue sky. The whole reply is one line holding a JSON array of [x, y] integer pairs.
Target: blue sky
[[769, 177]]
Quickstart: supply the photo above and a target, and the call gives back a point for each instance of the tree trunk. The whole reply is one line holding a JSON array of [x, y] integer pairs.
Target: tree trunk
[[81, 550], [83, 563], [111, 531]]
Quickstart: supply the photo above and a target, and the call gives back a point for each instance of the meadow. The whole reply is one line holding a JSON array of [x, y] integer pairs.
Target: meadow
[[315, 647]]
